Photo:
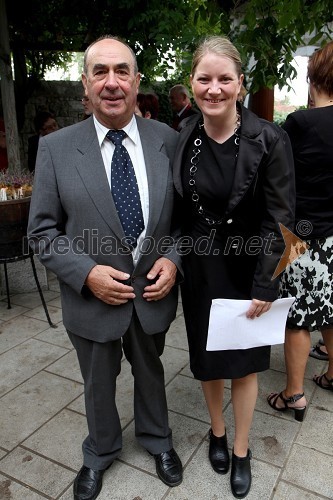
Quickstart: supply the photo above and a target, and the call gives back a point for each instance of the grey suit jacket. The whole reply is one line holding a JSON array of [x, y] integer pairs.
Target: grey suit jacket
[[73, 226]]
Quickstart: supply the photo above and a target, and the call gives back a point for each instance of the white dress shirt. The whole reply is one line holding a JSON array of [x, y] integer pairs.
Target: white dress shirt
[[132, 143]]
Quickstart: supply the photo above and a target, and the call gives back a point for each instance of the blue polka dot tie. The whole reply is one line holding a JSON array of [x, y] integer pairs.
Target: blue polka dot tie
[[124, 188]]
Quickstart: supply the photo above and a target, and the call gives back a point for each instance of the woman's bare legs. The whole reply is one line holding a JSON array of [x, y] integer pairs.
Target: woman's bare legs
[[213, 392], [296, 351], [244, 392]]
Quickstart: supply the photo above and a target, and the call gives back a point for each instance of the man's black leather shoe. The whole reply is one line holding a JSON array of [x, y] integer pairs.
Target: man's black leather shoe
[[218, 453], [88, 483], [240, 478], [169, 467]]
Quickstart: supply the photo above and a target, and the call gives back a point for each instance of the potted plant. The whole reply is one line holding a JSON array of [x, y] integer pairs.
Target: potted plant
[[15, 195]]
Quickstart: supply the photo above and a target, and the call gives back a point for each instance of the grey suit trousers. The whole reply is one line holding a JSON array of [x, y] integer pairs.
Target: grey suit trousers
[[100, 365]]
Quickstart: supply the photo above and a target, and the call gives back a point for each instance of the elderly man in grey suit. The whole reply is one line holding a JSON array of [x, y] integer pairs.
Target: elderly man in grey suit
[[116, 263]]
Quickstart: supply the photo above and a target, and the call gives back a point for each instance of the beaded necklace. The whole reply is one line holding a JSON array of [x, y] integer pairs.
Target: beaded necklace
[[194, 168]]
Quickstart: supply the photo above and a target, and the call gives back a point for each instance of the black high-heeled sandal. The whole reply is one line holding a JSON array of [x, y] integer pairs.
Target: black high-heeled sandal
[[299, 412], [324, 382]]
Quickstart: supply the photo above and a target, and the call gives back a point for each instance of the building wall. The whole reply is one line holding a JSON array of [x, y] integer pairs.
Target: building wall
[[63, 98]]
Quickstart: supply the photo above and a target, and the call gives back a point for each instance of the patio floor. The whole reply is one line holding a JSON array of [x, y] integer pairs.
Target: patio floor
[[43, 421]]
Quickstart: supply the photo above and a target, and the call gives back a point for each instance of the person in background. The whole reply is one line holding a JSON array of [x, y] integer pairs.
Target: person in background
[[87, 107], [147, 105], [310, 277], [103, 193], [234, 173], [181, 105], [44, 123], [3, 147]]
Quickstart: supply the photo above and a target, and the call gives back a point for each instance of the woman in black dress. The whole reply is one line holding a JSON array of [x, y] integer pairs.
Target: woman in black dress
[[234, 173], [310, 278]]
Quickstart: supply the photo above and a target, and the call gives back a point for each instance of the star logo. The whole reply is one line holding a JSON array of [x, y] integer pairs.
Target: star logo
[[294, 248]]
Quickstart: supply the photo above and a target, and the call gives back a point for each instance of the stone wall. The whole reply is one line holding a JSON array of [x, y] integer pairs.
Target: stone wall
[[63, 98]]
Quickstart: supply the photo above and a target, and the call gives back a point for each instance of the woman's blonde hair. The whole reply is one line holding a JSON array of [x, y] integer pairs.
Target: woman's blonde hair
[[219, 45]]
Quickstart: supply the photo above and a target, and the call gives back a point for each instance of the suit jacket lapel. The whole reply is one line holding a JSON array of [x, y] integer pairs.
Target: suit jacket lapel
[[92, 172], [178, 160], [157, 168], [249, 157]]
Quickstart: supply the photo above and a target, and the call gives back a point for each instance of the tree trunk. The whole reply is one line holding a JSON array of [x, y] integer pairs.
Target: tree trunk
[[262, 103], [7, 94]]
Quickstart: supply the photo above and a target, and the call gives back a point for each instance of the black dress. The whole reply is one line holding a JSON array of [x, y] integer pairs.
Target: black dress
[[212, 270]]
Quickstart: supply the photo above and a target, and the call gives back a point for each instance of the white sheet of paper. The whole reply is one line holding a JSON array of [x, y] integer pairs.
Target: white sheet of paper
[[229, 328]]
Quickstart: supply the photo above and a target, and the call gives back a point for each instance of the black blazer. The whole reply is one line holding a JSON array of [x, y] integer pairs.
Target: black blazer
[[263, 193], [310, 133]]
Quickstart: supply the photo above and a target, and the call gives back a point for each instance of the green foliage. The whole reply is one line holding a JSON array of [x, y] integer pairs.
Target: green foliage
[[164, 34], [271, 31], [280, 117]]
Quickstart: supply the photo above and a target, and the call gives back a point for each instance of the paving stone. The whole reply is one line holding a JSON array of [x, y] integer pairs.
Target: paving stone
[[57, 336], [310, 470], [55, 313], [174, 360], [7, 314], [10, 490], [78, 405], [23, 361], [286, 491], [31, 404], [68, 430], [18, 330], [185, 397], [36, 472], [33, 299], [176, 336], [68, 367], [322, 400], [317, 430], [55, 302]]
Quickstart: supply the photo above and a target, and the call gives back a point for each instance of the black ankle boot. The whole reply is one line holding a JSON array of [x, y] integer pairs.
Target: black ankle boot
[[240, 477], [218, 453]]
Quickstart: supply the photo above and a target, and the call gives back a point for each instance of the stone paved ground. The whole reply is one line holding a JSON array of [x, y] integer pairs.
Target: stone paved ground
[[42, 421]]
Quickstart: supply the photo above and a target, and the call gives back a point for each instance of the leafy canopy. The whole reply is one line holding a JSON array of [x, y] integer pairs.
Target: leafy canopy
[[164, 34]]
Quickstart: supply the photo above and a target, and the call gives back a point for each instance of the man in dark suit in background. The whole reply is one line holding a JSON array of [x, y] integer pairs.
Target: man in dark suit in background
[[118, 293], [181, 105]]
